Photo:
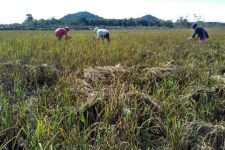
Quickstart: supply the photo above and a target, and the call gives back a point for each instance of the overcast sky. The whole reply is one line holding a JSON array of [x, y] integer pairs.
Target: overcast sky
[[14, 11]]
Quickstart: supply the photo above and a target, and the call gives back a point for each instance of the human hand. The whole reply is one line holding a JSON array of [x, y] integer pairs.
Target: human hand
[[190, 38], [68, 38]]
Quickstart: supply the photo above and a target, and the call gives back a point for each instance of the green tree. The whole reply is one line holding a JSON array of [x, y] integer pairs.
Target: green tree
[[29, 19]]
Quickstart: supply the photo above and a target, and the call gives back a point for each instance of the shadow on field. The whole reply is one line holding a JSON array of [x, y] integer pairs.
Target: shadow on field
[[147, 112], [126, 106], [17, 78]]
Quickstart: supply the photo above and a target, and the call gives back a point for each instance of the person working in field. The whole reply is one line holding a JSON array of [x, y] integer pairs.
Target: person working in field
[[102, 33], [201, 32], [62, 32]]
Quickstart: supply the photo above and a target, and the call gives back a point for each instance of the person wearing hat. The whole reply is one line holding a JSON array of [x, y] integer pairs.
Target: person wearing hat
[[61, 32], [102, 33], [201, 32]]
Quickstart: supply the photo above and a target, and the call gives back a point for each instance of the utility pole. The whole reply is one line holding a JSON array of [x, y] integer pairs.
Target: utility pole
[[198, 18], [186, 20]]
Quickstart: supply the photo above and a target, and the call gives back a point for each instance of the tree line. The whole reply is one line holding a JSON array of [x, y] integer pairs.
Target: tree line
[[82, 23]]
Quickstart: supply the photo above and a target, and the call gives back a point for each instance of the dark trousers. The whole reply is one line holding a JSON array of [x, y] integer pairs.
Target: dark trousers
[[106, 36]]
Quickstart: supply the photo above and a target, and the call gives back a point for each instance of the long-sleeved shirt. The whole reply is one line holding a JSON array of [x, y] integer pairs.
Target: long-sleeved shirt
[[102, 32], [60, 32], [201, 32]]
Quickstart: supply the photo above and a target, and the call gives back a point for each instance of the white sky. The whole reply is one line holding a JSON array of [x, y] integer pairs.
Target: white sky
[[14, 11]]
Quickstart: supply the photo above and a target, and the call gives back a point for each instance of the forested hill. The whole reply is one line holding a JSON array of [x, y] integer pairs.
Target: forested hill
[[79, 15], [90, 16], [148, 17]]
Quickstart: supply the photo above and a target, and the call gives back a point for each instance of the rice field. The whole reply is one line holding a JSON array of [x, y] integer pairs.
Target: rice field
[[145, 89]]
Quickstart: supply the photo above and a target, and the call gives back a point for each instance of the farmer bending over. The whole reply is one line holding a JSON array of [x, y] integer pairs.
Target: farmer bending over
[[201, 32], [102, 33], [60, 32]]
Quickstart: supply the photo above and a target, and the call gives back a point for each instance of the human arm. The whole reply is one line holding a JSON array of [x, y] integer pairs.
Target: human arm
[[65, 34], [193, 36], [98, 34], [190, 38]]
